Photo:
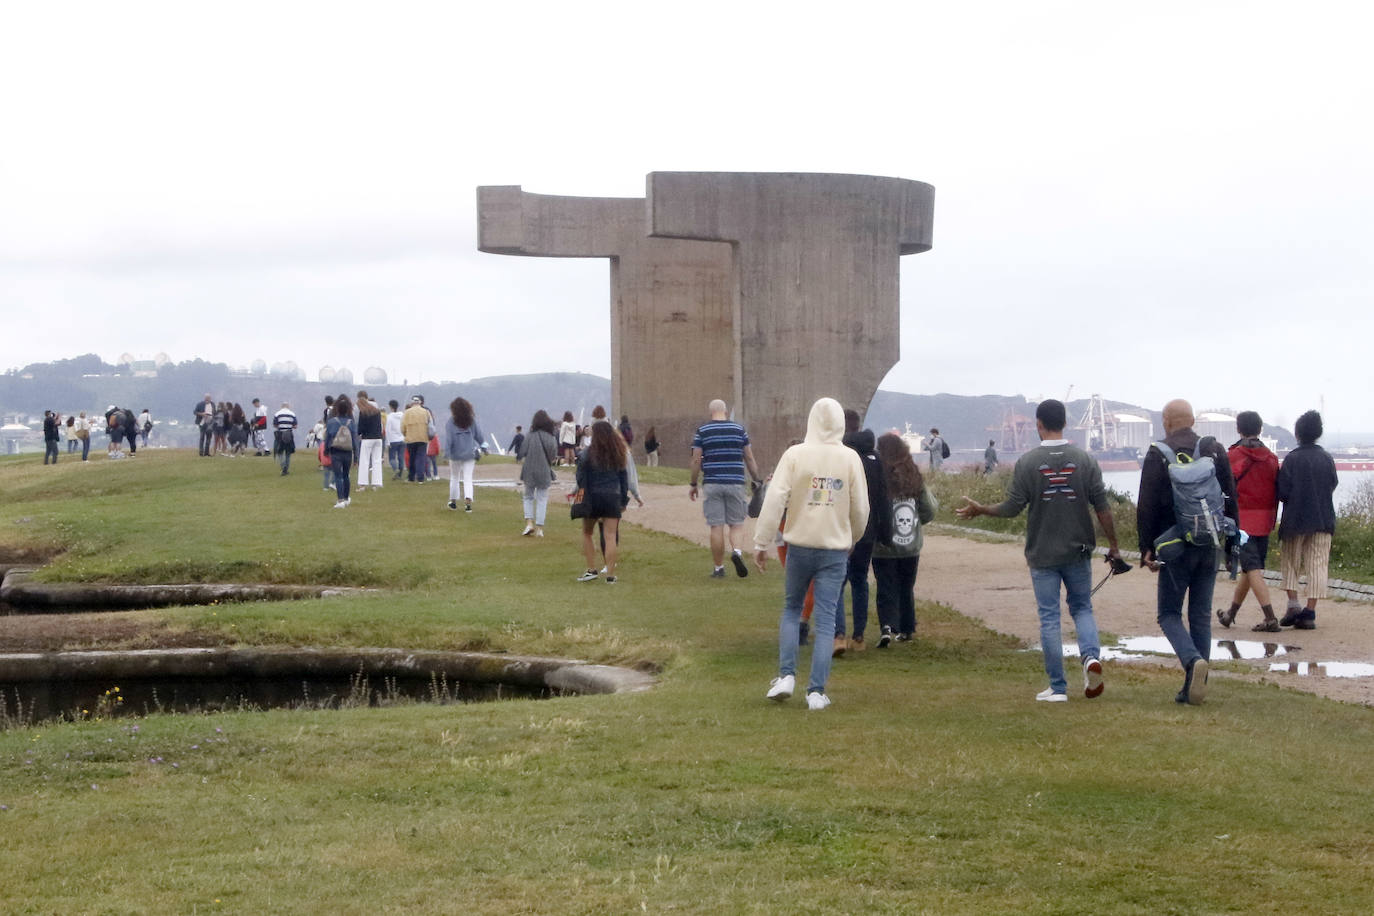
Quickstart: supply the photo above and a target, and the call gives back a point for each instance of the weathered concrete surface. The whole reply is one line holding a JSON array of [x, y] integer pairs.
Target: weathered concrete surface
[[527, 671], [20, 591], [673, 340], [816, 261]]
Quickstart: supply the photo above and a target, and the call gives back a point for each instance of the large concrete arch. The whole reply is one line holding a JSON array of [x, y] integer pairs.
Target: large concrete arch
[[673, 341], [817, 281]]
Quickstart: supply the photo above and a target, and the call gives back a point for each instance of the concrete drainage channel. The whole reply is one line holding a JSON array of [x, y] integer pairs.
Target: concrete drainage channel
[[35, 687], [19, 594]]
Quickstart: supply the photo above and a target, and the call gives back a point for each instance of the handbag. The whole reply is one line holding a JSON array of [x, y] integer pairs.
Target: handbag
[[432, 450], [325, 460], [580, 508]]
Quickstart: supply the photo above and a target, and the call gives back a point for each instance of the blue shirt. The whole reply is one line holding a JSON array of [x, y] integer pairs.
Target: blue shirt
[[722, 444]]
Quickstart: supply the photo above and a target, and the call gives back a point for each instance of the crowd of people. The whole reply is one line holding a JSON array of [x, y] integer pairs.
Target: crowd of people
[[119, 425], [843, 503]]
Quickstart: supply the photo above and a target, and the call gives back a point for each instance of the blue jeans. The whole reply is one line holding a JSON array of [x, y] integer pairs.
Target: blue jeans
[[395, 453], [827, 569], [86, 447], [1077, 579], [343, 462], [1194, 572], [856, 574]]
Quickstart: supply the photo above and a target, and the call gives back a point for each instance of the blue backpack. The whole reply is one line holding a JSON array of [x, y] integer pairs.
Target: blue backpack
[[1199, 504]]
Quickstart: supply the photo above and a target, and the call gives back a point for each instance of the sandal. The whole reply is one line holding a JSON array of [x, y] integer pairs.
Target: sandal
[[1226, 618], [1267, 626]]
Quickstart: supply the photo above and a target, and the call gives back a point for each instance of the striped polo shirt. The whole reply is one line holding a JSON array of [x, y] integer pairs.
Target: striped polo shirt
[[722, 445]]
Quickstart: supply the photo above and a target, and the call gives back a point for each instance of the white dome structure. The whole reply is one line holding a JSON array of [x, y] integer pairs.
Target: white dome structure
[[161, 360], [294, 371], [343, 375], [374, 376], [259, 367], [125, 359], [327, 374]]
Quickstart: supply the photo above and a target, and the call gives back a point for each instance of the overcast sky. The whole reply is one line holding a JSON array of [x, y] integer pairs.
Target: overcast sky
[[1143, 200]]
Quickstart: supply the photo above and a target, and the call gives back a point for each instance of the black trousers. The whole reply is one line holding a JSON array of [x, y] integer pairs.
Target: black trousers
[[896, 577]]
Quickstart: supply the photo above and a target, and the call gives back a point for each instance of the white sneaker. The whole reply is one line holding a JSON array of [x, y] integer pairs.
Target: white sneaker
[[529, 529], [341, 505], [1049, 696], [1092, 678], [817, 701], [588, 576], [782, 687]]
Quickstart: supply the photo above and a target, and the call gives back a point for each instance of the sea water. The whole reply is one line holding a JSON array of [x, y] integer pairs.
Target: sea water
[[1127, 483]]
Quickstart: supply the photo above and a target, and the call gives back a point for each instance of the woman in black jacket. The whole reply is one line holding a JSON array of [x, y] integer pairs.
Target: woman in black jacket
[[604, 486]]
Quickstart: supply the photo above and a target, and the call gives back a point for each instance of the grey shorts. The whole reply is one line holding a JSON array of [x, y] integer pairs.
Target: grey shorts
[[724, 503]]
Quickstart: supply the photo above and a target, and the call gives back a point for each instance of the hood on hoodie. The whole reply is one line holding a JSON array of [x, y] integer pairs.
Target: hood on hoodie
[[826, 422], [861, 441]]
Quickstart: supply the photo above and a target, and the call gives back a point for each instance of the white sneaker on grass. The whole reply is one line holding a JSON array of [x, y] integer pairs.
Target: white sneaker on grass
[[588, 576], [1049, 696], [782, 687], [816, 701]]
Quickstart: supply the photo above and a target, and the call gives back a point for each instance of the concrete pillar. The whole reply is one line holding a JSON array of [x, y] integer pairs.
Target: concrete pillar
[[673, 341], [816, 261]]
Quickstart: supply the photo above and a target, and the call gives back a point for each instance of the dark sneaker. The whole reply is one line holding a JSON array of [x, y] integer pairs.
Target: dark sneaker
[[467, 507], [1196, 687], [740, 569], [1290, 617], [1307, 620], [904, 637], [885, 638], [453, 504], [610, 580], [718, 572]]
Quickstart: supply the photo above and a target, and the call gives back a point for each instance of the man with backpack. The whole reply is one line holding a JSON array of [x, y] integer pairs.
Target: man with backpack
[[1185, 517], [938, 448]]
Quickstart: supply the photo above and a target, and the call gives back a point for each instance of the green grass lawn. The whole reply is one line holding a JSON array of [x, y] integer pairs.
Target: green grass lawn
[[933, 784]]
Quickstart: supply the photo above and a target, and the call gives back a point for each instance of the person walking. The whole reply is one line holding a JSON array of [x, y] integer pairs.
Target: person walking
[[204, 417], [1306, 482], [131, 430], [415, 427], [990, 457], [895, 563], [50, 437], [341, 442], [935, 446], [1256, 471], [395, 439], [721, 456], [1058, 482], [877, 531], [145, 426], [820, 486], [83, 432], [370, 437], [517, 443], [537, 456], [603, 484], [1172, 544], [284, 436], [462, 446], [627, 431], [567, 439], [651, 448]]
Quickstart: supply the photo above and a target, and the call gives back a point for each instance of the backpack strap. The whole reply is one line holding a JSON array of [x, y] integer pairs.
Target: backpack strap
[[1168, 453]]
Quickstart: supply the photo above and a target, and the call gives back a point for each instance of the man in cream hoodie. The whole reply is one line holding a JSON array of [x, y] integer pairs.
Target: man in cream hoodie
[[820, 486]]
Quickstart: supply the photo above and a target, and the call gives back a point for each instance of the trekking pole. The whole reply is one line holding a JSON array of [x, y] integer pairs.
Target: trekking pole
[[1118, 565]]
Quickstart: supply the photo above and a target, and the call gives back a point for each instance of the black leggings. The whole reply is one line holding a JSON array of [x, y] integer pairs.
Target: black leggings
[[896, 598]]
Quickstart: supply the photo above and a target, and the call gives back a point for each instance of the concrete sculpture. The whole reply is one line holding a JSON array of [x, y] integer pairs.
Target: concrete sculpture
[[816, 261], [672, 303], [768, 290]]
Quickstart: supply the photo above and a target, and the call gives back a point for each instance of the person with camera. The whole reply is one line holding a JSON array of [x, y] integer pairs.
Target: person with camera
[[1058, 481]]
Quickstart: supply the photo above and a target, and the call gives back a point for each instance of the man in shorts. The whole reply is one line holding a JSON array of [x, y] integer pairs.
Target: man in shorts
[[720, 459], [1256, 470]]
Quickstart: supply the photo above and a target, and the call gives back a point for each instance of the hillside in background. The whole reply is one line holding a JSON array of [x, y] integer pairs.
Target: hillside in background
[[87, 383]]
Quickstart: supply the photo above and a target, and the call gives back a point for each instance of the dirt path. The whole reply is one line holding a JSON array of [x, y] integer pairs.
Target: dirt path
[[989, 582]]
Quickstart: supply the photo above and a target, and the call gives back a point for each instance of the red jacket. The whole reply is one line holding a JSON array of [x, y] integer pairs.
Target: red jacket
[[1256, 470]]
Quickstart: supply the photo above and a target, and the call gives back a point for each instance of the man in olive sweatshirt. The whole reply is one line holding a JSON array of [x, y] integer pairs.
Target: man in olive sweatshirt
[[1058, 481], [820, 485]]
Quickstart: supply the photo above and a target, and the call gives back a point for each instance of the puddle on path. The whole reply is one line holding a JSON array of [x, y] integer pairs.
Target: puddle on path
[[1137, 647], [1325, 669]]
